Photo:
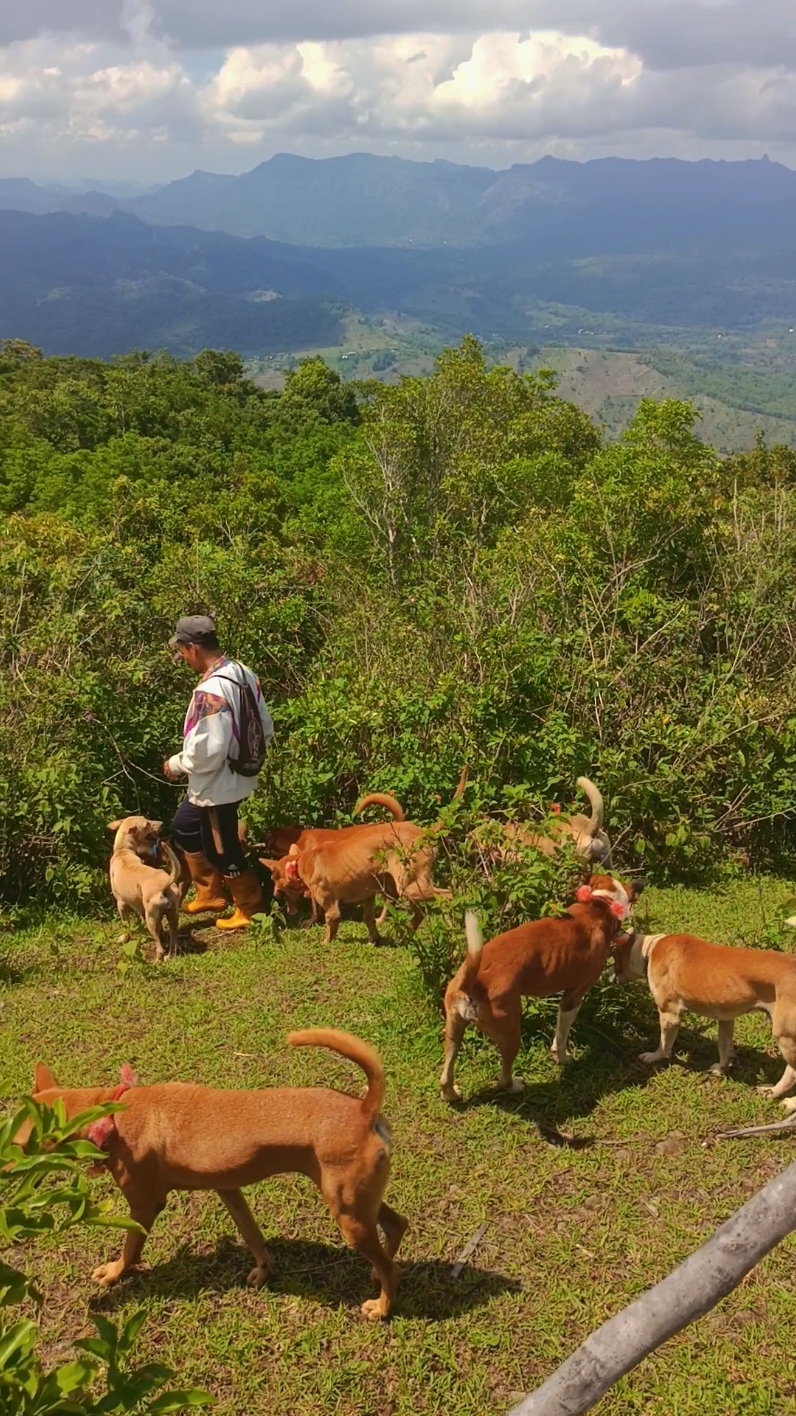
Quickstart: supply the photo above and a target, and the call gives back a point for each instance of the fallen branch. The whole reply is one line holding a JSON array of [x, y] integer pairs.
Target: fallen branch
[[789, 1125], [691, 1291]]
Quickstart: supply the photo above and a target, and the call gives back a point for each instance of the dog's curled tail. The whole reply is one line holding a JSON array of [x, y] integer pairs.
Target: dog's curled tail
[[381, 799], [463, 780], [175, 869], [475, 944], [595, 801], [355, 1050]]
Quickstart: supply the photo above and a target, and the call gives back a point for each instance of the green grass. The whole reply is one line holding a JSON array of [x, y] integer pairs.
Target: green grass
[[574, 1233]]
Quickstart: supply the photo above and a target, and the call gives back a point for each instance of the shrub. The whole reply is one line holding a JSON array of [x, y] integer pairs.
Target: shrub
[[450, 569], [43, 1187]]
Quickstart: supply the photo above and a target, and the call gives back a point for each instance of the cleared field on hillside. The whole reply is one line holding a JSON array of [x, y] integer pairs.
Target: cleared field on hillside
[[750, 390]]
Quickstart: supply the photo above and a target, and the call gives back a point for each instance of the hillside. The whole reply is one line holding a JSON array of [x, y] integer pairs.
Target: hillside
[[609, 385], [98, 287]]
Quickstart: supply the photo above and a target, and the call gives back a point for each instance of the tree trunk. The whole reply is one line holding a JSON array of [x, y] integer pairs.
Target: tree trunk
[[692, 1290]]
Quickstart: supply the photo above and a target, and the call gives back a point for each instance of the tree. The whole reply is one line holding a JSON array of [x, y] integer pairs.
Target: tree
[[313, 391]]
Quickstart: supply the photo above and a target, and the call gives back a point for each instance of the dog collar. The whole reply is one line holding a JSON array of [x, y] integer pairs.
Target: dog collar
[[100, 1133], [619, 908], [648, 943]]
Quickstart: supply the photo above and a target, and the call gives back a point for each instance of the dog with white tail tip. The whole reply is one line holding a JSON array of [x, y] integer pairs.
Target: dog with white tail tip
[[536, 960]]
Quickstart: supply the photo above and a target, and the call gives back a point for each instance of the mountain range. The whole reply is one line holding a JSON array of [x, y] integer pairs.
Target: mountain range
[[363, 200], [638, 251]]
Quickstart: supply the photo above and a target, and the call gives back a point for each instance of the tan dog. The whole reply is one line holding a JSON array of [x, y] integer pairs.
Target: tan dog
[[144, 890], [535, 961], [687, 974], [175, 1136], [591, 841]]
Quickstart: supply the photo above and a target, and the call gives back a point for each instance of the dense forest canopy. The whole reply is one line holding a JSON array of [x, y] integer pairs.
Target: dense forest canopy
[[454, 569]]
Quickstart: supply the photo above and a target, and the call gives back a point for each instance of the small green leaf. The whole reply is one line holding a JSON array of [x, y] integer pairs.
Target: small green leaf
[[178, 1400]]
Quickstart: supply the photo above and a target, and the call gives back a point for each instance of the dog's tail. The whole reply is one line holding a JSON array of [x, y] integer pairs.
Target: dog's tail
[[381, 799], [465, 773], [174, 866], [355, 1050], [596, 803], [475, 944]]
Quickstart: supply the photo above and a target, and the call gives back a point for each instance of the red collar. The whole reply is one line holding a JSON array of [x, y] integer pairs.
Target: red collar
[[102, 1130]]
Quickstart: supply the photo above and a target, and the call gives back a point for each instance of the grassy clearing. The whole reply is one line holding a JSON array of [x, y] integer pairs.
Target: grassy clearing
[[574, 1233]]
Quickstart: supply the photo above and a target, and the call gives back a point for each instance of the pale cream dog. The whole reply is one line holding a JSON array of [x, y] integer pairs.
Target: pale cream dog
[[141, 889]]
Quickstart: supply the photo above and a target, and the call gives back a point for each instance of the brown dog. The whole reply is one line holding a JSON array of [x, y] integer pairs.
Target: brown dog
[[175, 1136], [354, 865], [390, 859], [144, 890], [288, 886], [687, 974], [535, 961]]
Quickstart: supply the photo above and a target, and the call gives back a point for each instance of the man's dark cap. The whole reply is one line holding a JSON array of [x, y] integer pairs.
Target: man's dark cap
[[194, 629]]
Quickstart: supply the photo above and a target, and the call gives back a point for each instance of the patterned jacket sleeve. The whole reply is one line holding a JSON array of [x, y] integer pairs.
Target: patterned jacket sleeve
[[208, 735]]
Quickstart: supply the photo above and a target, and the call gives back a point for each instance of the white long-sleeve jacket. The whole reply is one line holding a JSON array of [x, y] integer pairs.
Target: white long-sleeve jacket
[[211, 734]]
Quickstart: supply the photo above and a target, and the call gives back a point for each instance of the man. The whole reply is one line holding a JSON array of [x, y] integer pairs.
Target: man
[[206, 824]]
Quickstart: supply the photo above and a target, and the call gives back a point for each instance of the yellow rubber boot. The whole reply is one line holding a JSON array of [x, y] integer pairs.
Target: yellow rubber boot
[[248, 897], [208, 883]]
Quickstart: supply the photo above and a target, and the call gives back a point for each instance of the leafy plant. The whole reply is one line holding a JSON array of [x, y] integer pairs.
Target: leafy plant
[[43, 1188]]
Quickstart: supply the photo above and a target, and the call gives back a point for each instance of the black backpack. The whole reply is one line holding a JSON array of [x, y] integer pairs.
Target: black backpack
[[251, 738]]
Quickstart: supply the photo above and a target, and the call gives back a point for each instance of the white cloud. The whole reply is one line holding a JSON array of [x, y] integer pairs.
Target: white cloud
[[419, 86], [465, 81], [81, 92]]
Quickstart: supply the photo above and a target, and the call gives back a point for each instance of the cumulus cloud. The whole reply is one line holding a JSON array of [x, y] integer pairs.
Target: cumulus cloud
[[84, 94], [421, 87], [670, 33], [178, 83]]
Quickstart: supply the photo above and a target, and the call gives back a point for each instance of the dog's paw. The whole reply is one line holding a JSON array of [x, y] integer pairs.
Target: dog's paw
[[259, 1275], [514, 1087], [450, 1093], [648, 1058], [558, 1057], [764, 1091], [789, 1105], [372, 1310], [107, 1274]]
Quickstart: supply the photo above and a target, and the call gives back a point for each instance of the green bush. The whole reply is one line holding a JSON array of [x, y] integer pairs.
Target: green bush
[[451, 569]]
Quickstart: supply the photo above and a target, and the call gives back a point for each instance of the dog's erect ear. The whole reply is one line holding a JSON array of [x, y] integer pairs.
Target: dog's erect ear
[[294, 850], [114, 825], [269, 864], [43, 1079], [635, 888]]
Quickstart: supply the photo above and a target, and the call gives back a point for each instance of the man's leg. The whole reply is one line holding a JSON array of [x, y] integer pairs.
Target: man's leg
[[186, 828], [222, 842]]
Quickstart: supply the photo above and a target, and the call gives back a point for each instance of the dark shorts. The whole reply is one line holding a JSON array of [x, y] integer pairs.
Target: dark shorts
[[213, 830]]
